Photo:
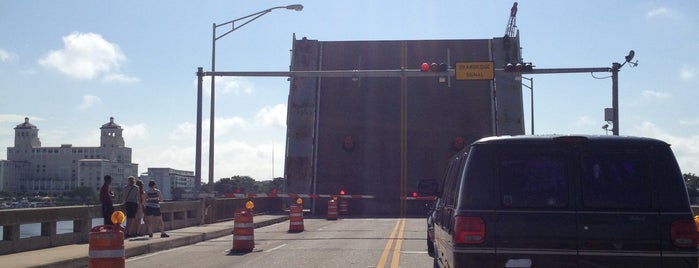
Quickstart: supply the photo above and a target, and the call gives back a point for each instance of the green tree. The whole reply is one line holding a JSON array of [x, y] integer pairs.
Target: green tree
[[85, 195], [246, 184], [692, 182], [177, 193]]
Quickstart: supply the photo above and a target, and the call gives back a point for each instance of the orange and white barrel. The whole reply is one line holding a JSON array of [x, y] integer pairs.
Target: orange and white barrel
[[295, 219], [343, 207], [332, 210], [243, 231], [106, 247]]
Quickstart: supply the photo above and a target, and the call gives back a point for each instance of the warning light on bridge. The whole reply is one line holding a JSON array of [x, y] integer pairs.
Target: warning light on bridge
[[414, 194], [342, 192]]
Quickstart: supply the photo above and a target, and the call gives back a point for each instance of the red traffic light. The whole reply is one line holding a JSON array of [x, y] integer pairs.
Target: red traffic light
[[414, 194], [342, 192], [434, 67]]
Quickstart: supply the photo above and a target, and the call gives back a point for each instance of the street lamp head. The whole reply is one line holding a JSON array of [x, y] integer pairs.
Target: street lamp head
[[630, 56], [296, 7]]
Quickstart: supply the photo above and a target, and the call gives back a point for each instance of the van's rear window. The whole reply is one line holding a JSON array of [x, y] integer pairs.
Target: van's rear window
[[616, 180], [533, 179]]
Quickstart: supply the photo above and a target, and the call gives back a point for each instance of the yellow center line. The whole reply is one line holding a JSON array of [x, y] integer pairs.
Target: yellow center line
[[400, 225], [395, 260]]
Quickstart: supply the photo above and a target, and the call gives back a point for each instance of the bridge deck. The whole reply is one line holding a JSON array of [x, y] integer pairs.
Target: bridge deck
[[76, 255]]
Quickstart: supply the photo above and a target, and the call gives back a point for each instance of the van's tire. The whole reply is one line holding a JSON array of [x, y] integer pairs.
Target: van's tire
[[435, 262], [430, 247]]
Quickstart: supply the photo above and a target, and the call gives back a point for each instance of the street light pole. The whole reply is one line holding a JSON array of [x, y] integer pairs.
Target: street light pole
[[615, 97], [214, 37]]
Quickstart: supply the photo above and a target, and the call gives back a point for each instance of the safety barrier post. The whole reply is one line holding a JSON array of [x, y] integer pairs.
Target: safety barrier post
[[343, 207], [296, 217], [332, 209], [243, 231], [106, 247]]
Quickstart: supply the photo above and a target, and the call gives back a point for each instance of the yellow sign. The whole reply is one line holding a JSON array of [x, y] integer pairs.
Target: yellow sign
[[483, 70]]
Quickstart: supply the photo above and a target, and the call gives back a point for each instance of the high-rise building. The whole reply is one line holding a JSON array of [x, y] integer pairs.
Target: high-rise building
[[168, 179], [31, 168]]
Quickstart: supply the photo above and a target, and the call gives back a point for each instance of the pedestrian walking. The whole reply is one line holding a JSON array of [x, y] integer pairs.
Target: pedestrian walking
[[153, 199]]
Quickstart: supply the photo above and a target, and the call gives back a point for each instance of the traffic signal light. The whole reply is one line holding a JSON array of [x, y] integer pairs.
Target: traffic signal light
[[518, 67], [414, 194], [434, 67], [342, 192]]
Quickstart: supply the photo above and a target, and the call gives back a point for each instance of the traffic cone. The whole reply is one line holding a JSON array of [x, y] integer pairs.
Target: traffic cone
[[243, 231], [295, 219], [332, 210]]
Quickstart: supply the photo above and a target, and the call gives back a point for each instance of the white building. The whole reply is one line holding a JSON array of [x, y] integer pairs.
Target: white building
[[167, 179], [33, 168]]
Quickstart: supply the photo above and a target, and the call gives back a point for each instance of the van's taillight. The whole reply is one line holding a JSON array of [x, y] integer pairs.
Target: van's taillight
[[684, 233], [469, 230]]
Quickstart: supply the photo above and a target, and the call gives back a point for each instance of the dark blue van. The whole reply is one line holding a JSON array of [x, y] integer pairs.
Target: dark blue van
[[564, 201]]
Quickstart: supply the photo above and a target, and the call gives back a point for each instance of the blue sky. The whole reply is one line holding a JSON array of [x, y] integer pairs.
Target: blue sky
[[70, 65]]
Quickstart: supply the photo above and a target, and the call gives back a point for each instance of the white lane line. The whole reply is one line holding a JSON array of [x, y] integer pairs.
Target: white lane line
[[155, 253], [275, 248]]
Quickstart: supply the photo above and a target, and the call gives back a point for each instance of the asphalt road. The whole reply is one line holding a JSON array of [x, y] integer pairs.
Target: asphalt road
[[389, 242]]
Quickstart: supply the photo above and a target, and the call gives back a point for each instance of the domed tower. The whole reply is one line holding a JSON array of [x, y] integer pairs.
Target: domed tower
[[111, 135], [27, 135]]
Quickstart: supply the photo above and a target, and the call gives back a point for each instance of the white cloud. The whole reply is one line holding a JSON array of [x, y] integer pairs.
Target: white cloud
[[121, 78], [272, 116], [655, 95], [228, 125], [660, 11], [4, 55], [183, 131], [254, 160], [688, 73], [88, 102], [228, 84], [686, 149], [87, 56], [135, 132]]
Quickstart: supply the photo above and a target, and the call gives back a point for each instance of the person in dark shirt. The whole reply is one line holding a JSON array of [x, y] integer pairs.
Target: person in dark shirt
[[106, 200]]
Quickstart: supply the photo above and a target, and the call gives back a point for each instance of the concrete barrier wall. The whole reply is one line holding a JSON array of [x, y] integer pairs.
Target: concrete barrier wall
[[176, 214]]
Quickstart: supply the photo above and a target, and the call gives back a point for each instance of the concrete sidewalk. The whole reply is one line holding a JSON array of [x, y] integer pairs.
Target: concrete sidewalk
[[76, 255]]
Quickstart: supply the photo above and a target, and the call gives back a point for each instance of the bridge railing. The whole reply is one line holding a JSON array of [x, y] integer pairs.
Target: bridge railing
[[176, 214]]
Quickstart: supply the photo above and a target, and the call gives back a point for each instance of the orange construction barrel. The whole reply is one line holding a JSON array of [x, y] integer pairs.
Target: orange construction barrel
[[243, 231], [343, 207], [106, 247], [332, 210], [295, 219]]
